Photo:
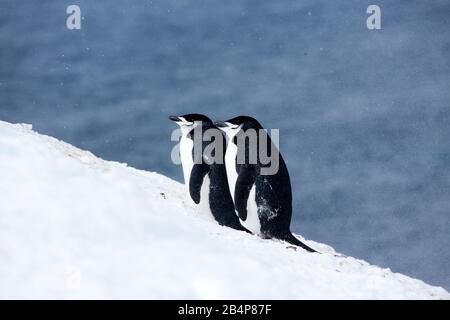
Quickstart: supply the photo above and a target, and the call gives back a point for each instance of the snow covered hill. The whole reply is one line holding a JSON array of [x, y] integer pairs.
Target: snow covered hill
[[75, 226]]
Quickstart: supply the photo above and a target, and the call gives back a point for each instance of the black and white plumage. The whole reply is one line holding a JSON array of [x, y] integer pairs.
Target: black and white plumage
[[262, 202], [206, 182]]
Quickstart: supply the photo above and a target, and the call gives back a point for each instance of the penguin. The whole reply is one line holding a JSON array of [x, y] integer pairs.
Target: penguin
[[206, 182], [262, 202]]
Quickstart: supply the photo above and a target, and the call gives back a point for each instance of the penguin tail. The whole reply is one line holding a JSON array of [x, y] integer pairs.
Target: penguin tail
[[290, 238]]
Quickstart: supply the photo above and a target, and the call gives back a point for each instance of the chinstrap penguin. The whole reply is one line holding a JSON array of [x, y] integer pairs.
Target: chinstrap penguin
[[206, 182], [262, 202]]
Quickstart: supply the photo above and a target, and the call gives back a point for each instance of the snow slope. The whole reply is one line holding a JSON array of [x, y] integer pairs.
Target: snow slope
[[75, 226]]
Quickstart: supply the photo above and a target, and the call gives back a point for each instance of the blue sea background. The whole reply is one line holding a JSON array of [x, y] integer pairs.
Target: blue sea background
[[364, 116]]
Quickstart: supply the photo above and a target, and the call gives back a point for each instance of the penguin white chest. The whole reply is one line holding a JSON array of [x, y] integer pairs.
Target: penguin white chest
[[186, 156], [204, 197], [252, 222], [187, 162], [230, 166]]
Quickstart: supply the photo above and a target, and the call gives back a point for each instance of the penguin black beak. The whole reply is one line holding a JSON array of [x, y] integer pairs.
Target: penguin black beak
[[174, 118], [220, 124]]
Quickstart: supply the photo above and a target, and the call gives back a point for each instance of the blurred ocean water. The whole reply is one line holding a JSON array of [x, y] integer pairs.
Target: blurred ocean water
[[364, 116]]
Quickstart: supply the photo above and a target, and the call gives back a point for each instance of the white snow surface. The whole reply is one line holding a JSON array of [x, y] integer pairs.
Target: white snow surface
[[75, 226]]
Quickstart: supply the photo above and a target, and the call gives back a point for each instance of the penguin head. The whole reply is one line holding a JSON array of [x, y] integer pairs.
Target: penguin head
[[234, 125], [190, 121]]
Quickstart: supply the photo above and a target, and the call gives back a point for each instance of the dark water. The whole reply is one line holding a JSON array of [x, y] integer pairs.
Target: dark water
[[364, 115]]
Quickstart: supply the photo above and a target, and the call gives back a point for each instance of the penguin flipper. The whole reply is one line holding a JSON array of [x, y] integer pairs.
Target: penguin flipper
[[244, 183], [198, 172]]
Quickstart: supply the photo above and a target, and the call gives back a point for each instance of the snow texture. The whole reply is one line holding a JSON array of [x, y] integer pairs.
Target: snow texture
[[75, 226]]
